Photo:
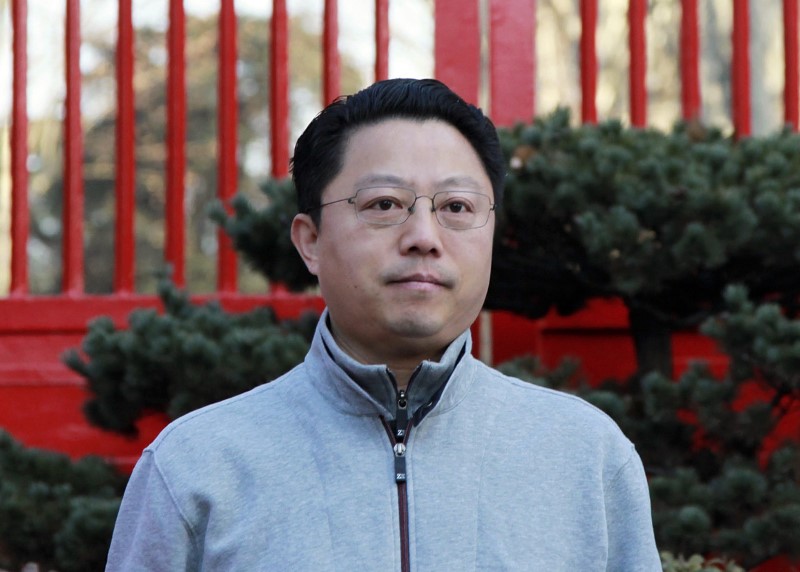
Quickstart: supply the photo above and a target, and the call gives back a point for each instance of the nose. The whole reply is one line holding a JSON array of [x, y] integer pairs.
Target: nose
[[421, 233]]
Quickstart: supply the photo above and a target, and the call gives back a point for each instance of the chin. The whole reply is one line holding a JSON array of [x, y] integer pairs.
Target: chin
[[432, 330], [416, 326]]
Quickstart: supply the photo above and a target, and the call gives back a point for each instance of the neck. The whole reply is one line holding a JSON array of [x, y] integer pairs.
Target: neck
[[402, 376], [369, 371], [401, 366]]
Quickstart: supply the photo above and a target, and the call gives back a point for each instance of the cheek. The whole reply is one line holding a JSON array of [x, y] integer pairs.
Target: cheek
[[344, 271], [478, 265], [476, 257]]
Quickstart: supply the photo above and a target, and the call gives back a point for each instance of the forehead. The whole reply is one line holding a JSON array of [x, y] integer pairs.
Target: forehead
[[406, 126], [412, 153]]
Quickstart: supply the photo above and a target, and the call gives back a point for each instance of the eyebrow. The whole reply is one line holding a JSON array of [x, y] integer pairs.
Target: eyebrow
[[460, 181], [377, 179]]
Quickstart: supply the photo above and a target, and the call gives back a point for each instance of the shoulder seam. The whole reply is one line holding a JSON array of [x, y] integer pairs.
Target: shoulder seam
[[625, 465], [528, 386], [185, 521], [266, 386]]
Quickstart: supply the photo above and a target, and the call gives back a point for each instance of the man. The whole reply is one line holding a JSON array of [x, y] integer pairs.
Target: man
[[391, 447]]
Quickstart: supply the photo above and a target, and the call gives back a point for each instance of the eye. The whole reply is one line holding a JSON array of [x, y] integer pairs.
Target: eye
[[383, 199], [456, 205], [383, 204]]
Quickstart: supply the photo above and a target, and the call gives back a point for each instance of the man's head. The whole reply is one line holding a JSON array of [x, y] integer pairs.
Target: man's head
[[398, 218], [320, 149]]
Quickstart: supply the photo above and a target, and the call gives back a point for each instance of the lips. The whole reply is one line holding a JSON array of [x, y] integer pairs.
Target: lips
[[420, 278]]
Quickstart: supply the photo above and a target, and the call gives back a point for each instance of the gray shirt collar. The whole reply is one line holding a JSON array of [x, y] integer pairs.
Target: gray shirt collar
[[377, 381]]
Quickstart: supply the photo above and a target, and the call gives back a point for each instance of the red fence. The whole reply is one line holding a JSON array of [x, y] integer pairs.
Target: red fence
[[40, 399]]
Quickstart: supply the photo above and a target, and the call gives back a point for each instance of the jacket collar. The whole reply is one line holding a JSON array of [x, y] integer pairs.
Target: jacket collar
[[362, 389]]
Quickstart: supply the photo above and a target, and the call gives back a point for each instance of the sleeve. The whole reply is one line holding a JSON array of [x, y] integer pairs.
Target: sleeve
[[631, 542], [150, 532]]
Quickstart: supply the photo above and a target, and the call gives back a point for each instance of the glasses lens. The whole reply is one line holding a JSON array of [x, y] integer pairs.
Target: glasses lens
[[461, 210], [384, 205], [455, 209]]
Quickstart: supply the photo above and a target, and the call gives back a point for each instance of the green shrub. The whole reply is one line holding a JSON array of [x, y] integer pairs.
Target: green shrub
[[662, 221], [54, 511], [183, 359]]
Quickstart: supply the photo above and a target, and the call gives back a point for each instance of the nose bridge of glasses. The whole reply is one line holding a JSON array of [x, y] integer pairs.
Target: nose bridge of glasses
[[413, 206]]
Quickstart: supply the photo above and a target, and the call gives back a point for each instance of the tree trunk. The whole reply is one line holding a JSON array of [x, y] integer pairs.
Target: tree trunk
[[652, 339]]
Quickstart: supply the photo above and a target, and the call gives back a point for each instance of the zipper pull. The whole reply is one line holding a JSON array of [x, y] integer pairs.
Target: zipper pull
[[400, 463], [401, 416]]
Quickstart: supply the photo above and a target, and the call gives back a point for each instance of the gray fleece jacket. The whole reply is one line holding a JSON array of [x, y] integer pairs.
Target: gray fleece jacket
[[328, 468]]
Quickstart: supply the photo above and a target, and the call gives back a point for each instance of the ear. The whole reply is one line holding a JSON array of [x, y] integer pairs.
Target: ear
[[304, 237]]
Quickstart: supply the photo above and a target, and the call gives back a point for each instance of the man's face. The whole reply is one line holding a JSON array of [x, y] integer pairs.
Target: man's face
[[403, 291]]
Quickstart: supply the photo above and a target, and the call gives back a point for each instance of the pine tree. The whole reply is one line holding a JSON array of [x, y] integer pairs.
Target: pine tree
[[661, 221], [45, 499], [189, 356]]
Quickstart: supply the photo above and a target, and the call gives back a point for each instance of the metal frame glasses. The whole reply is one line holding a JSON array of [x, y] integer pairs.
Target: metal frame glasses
[[389, 206]]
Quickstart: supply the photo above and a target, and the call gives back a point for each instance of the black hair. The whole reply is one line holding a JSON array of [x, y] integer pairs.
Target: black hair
[[319, 152]]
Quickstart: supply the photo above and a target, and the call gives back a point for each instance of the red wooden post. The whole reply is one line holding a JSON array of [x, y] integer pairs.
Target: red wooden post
[[457, 47], [331, 88], [741, 68], [690, 60], [125, 138], [512, 40], [588, 61], [381, 39], [791, 85], [227, 139], [20, 225], [637, 40], [72, 279], [175, 231], [279, 89]]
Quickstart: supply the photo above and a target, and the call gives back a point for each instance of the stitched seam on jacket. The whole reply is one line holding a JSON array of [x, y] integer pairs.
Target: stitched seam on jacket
[[190, 529], [618, 474]]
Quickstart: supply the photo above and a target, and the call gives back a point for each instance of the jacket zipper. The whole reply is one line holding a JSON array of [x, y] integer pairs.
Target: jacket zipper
[[398, 435]]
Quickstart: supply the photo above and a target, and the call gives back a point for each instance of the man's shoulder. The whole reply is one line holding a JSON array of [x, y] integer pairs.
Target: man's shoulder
[[527, 400], [253, 411]]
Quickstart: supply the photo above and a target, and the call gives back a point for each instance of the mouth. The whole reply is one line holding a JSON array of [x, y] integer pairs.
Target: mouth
[[420, 280]]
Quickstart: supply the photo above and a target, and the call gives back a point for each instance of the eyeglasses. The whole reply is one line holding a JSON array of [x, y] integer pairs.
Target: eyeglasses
[[387, 206]]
